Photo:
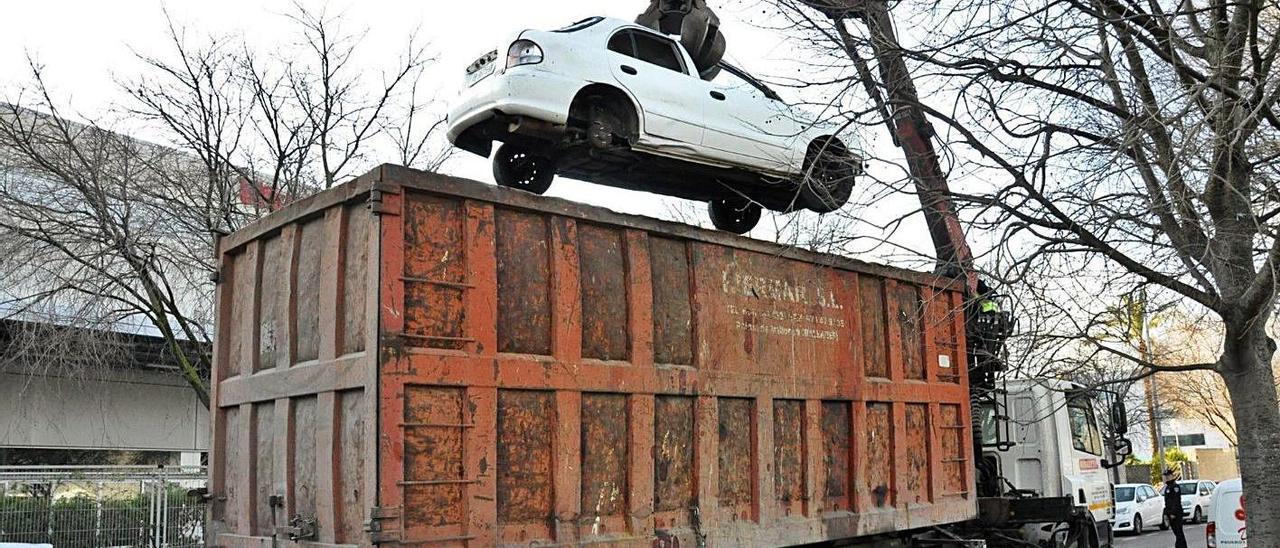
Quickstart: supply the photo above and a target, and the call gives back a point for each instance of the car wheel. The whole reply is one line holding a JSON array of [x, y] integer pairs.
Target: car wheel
[[827, 180], [734, 215], [1164, 522], [1198, 516], [1137, 524], [520, 168]]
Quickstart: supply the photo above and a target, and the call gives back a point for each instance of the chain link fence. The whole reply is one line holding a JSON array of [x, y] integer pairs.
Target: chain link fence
[[78, 506]]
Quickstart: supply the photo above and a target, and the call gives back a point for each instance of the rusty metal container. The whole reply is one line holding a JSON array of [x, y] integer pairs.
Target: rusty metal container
[[416, 359]]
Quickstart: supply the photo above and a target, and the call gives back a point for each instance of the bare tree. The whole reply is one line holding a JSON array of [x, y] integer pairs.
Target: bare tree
[[1120, 142], [91, 218], [124, 228]]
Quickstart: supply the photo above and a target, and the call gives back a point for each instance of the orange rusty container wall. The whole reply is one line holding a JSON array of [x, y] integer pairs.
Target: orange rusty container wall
[[548, 372]]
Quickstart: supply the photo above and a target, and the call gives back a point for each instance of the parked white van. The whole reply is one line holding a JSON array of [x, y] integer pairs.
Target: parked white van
[[1226, 527]]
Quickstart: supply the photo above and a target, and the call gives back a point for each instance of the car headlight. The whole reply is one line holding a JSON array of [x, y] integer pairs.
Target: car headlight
[[523, 52], [1122, 511]]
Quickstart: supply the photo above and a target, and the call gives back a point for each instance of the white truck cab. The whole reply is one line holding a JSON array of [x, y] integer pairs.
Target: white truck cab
[[1050, 445]]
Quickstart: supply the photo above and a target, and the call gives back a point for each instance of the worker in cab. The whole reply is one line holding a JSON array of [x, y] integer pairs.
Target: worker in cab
[[1173, 508]]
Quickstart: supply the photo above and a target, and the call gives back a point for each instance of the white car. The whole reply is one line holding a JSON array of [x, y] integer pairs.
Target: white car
[[1195, 498], [1226, 528], [616, 103], [1138, 506]]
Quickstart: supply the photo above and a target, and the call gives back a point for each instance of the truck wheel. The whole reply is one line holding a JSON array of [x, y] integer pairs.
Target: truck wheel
[[520, 168], [827, 180], [734, 215]]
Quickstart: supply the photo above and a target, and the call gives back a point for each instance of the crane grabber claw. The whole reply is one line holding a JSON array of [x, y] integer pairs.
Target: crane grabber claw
[[697, 26]]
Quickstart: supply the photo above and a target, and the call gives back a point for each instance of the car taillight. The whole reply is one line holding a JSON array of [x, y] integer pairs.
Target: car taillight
[[523, 52], [1211, 535]]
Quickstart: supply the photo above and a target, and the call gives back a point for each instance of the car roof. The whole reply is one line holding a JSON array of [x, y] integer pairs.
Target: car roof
[[1132, 485]]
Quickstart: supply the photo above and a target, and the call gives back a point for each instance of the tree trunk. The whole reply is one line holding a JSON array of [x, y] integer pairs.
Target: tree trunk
[[1246, 369]]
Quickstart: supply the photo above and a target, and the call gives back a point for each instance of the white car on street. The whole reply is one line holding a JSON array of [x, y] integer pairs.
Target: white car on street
[[615, 103], [1195, 498], [1138, 507]]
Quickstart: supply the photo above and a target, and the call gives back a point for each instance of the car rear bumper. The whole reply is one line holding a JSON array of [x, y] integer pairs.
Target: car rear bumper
[[522, 91]]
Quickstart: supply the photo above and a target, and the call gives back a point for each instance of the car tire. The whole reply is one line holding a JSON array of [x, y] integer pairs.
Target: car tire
[[734, 215], [523, 169], [828, 176], [1164, 522], [1198, 516], [1137, 524]]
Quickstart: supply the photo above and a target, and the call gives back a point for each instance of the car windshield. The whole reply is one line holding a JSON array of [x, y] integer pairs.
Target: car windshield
[[1188, 487], [1124, 494], [580, 24]]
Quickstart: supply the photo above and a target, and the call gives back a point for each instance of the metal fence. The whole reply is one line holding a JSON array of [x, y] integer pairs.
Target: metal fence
[[77, 506]]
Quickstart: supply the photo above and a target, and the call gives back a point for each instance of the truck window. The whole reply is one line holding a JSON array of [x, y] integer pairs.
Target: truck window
[[1084, 429], [990, 434]]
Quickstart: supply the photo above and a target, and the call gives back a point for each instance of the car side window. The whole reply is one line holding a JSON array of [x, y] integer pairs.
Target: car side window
[[621, 43], [729, 81], [648, 48]]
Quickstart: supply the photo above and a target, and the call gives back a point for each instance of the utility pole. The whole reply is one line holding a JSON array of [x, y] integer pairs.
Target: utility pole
[[1153, 404]]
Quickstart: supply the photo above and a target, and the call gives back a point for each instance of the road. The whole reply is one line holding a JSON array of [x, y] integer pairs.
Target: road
[[1162, 539]]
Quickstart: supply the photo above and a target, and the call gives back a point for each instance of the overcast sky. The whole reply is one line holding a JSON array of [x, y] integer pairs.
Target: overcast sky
[[84, 43]]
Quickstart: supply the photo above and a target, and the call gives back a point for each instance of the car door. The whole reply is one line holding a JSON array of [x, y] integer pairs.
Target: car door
[[653, 68], [1206, 493], [1154, 506], [748, 125]]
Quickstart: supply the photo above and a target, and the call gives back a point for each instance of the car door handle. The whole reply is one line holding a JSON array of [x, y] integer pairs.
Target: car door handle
[[717, 96], [629, 69]]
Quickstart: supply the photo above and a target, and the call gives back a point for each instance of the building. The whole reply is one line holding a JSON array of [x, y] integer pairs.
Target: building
[[81, 396], [1213, 452]]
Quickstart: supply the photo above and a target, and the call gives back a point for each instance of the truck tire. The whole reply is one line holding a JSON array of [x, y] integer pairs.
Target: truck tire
[[523, 169]]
